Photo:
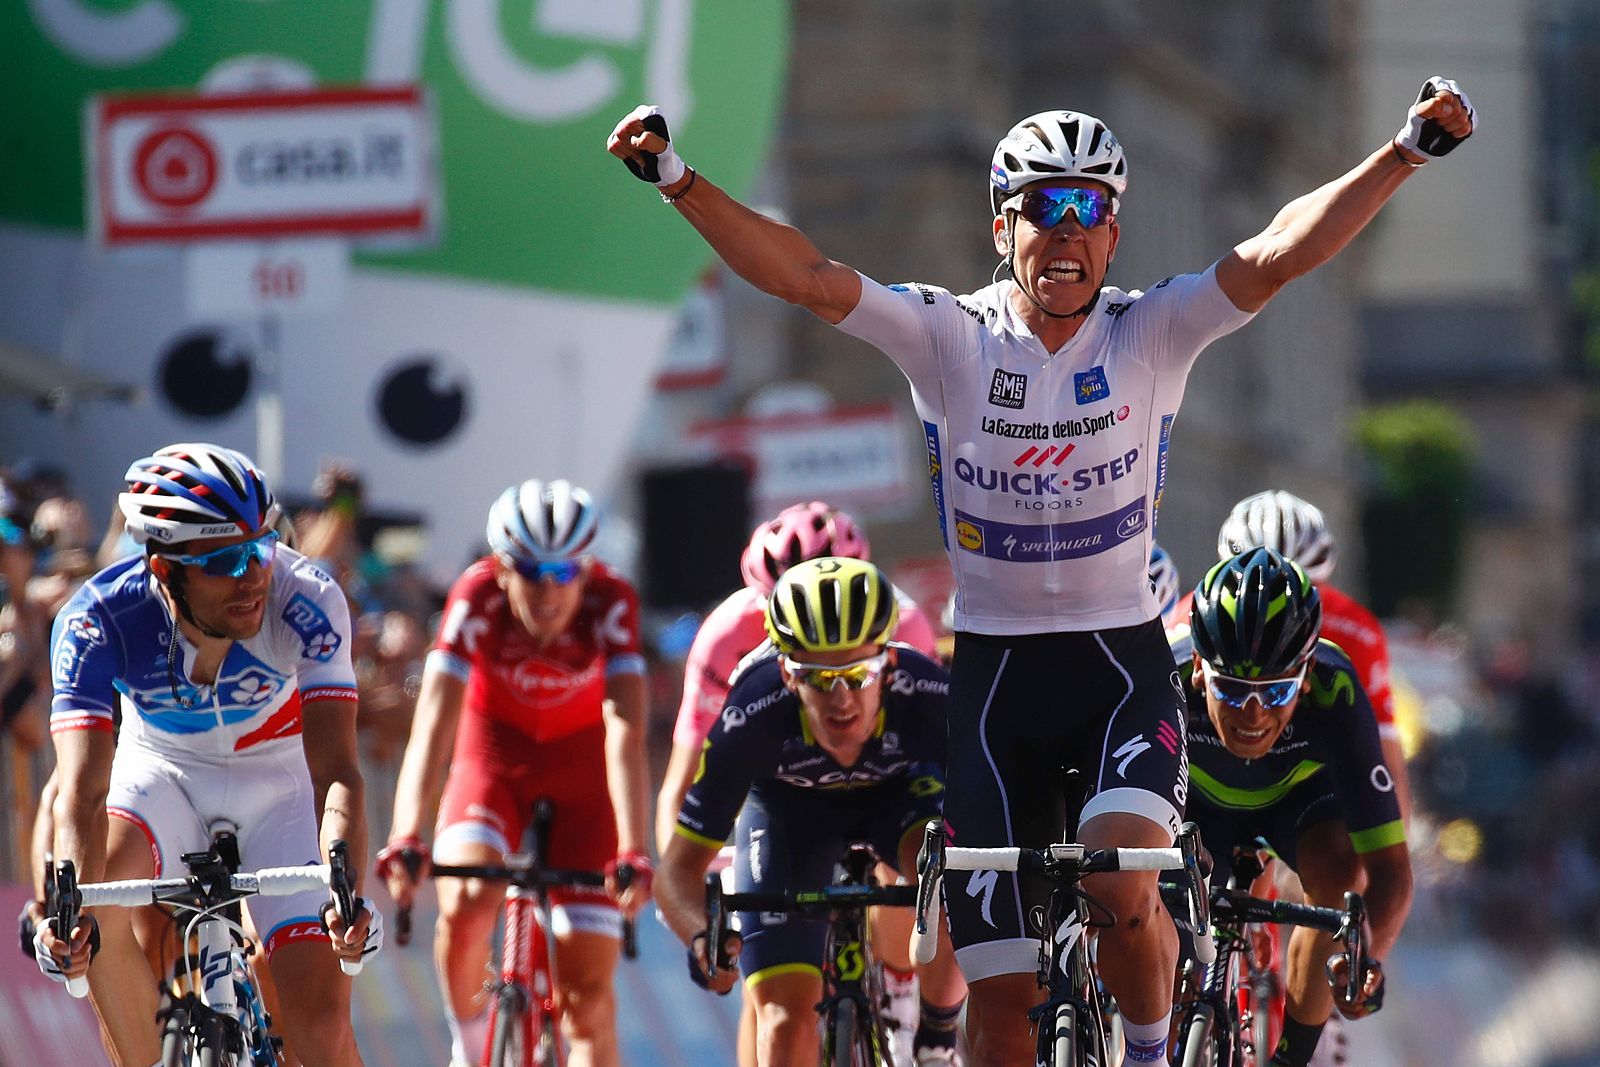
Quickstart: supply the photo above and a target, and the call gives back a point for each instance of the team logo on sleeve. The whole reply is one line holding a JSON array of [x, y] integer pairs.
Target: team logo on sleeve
[[85, 628], [1010, 390], [314, 628], [1091, 385]]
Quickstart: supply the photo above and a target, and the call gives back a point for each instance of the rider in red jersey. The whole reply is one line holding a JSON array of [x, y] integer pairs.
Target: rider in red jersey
[[540, 648]]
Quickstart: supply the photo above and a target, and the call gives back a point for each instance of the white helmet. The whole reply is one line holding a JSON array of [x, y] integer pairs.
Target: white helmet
[[1057, 144], [542, 522], [1284, 523], [186, 492]]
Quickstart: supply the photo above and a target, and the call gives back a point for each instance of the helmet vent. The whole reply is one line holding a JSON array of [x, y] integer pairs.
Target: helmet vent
[[1038, 131], [1070, 131], [1094, 142], [1011, 162]]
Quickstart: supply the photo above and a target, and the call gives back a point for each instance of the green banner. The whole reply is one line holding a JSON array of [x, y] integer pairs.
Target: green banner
[[525, 93]]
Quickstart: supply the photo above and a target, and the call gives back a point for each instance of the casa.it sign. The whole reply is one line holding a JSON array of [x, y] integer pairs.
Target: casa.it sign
[[354, 162]]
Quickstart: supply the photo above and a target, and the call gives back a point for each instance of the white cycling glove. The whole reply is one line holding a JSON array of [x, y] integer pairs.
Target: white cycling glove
[[661, 168], [374, 941], [49, 966], [1426, 137]]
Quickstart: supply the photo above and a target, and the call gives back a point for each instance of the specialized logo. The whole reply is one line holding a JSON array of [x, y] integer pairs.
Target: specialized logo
[[312, 624], [1091, 385], [1127, 753], [1010, 390], [982, 884], [1033, 542]]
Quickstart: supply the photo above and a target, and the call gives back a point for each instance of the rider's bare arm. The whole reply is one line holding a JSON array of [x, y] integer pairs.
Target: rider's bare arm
[[333, 758], [674, 784], [1388, 895], [775, 258], [1311, 230], [627, 765], [83, 780], [427, 758], [680, 886]]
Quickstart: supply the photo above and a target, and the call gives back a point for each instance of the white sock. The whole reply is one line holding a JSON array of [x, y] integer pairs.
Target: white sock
[[467, 1037], [1147, 1042]]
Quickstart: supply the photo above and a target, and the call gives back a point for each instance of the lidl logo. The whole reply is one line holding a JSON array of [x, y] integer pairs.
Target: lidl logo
[[969, 537]]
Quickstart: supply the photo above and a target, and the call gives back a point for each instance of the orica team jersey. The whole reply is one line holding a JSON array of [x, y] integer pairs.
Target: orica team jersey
[[110, 646], [762, 741], [546, 691], [1333, 733], [1047, 468], [735, 628]]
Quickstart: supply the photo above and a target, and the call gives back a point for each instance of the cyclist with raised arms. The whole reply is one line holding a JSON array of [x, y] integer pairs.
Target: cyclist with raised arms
[[838, 739], [736, 629], [1284, 748], [1050, 398], [534, 689], [228, 657]]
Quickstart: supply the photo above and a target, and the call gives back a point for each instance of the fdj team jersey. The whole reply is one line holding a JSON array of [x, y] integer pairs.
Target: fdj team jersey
[[1047, 469], [111, 643]]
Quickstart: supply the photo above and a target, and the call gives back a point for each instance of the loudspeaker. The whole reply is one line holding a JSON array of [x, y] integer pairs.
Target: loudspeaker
[[696, 525]]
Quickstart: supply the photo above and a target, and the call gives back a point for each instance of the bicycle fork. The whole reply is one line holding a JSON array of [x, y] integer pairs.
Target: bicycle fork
[[527, 978]]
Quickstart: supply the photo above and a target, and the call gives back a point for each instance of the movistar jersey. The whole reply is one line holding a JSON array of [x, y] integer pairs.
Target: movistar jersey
[[1333, 733], [111, 641], [1047, 469], [762, 742]]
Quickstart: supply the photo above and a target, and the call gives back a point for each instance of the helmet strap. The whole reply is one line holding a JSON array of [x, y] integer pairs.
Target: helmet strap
[[174, 583]]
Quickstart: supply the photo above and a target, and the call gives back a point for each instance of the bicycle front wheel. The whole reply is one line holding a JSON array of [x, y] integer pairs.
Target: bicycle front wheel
[[1064, 1048], [175, 1035], [212, 1038], [508, 1045], [1199, 1039]]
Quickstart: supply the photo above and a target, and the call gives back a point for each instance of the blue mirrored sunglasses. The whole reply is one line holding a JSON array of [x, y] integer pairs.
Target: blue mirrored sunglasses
[[1045, 208], [1234, 692], [231, 561], [560, 572]]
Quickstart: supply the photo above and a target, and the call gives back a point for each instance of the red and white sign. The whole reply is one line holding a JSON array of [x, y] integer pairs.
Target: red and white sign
[[857, 457], [341, 162], [248, 279]]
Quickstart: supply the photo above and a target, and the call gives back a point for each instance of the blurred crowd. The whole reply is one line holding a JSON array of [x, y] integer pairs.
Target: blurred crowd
[[1505, 756]]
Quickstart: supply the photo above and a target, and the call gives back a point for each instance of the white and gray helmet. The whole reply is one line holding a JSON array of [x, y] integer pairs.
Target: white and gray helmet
[[542, 522], [1284, 523], [1057, 144]]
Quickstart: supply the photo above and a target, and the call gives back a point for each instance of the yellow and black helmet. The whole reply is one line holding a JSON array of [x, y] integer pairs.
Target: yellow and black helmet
[[829, 604]]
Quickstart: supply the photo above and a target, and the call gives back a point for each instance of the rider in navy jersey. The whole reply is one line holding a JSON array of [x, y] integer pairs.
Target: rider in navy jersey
[[1284, 750], [1048, 401], [228, 657], [837, 738]]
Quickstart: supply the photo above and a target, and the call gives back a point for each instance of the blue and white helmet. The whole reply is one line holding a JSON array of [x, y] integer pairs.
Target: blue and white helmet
[[1066, 145], [185, 492], [1163, 578], [542, 522]]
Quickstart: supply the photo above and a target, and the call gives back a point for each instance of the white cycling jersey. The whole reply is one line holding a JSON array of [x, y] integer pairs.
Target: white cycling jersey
[[1047, 468]]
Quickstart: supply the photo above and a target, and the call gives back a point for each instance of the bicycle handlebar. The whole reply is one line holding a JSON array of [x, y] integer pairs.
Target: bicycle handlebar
[[270, 882], [1061, 862]]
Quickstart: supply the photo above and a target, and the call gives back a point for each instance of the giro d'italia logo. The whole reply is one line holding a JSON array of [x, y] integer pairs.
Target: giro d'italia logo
[[175, 167]]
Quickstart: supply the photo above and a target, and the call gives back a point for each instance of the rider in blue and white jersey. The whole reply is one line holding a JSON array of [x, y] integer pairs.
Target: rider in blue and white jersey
[[1048, 400], [228, 659]]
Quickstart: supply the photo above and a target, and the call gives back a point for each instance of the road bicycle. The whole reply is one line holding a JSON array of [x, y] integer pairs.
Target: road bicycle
[[1224, 1017], [852, 1011], [213, 1015], [1077, 1024], [524, 1012]]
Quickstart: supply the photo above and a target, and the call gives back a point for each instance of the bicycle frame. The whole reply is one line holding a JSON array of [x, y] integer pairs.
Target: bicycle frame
[[1075, 1027], [850, 1010], [206, 892]]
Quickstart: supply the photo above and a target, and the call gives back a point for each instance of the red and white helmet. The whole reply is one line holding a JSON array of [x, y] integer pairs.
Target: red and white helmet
[[799, 533]]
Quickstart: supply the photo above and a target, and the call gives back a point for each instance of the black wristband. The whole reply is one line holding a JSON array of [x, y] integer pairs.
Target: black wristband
[[1401, 156], [681, 193]]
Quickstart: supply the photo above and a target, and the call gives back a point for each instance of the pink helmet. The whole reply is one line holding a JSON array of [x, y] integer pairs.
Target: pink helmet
[[799, 533]]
